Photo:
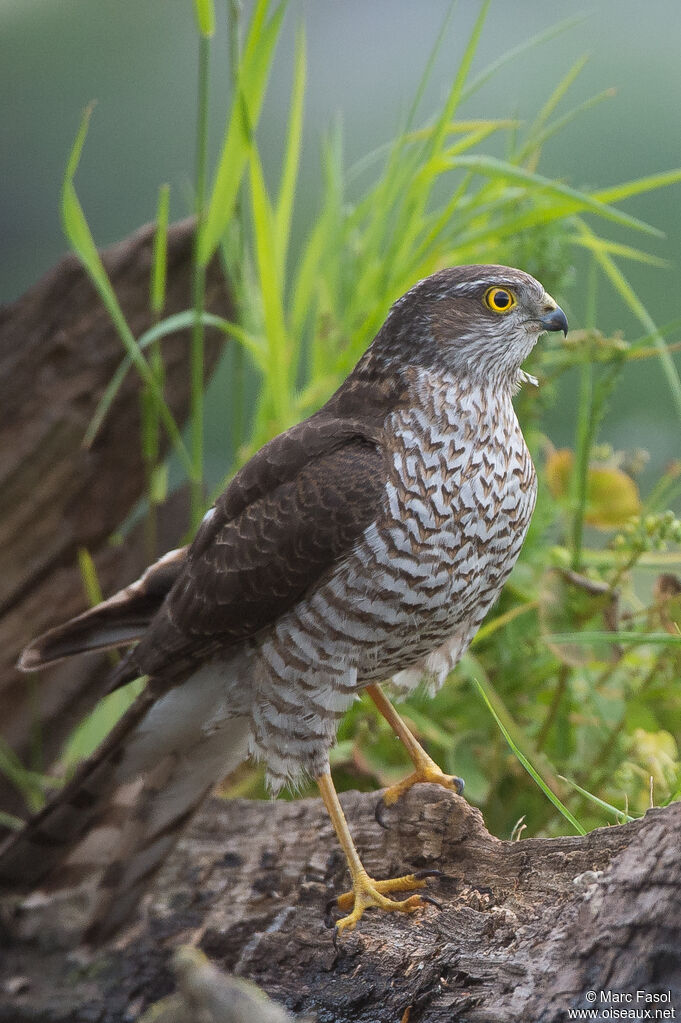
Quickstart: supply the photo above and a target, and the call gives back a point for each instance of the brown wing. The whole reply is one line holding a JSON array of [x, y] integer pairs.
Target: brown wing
[[295, 510]]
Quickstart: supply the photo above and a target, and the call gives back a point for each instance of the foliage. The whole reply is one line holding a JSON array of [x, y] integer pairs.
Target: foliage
[[579, 658]]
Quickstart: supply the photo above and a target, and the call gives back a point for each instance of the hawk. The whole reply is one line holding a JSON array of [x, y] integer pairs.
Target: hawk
[[364, 544]]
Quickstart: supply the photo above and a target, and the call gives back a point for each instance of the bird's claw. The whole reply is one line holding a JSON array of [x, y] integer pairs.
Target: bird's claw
[[367, 893], [429, 774]]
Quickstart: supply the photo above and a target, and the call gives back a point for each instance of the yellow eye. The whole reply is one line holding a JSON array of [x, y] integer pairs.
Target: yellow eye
[[500, 300]]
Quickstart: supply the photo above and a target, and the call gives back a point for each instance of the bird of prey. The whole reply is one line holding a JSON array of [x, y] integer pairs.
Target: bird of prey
[[363, 545]]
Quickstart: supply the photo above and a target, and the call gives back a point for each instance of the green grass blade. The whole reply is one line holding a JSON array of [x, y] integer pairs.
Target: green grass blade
[[80, 238], [245, 112], [398, 170], [205, 17], [306, 282], [536, 777], [608, 807], [631, 299], [539, 139], [159, 260], [289, 175], [557, 95], [271, 291], [475, 137], [89, 577], [10, 822], [428, 70], [458, 127], [518, 51], [620, 638], [648, 184], [454, 98], [398, 204], [501, 170], [172, 324], [29, 783], [595, 243]]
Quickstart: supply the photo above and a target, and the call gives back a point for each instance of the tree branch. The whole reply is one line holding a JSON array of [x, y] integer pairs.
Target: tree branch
[[525, 930], [58, 352]]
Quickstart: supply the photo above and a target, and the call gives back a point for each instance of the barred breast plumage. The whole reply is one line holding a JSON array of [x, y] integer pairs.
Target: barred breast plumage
[[365, 543], [409, 598]]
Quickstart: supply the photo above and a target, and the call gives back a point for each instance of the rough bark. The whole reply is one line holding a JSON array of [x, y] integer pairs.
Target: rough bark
[[525, 931], [58, 352]]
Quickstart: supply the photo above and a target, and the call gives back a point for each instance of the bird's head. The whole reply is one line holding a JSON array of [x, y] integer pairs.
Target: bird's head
[[477, 321]]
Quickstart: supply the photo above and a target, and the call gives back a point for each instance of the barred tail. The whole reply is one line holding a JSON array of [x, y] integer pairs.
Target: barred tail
[[106, 834]]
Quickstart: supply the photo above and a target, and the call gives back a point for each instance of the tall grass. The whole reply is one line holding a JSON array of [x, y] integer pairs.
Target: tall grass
[[578, 660]]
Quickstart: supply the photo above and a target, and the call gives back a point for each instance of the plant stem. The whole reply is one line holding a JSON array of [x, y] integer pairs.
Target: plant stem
[[585, 429], [199, 290], [237, 247]]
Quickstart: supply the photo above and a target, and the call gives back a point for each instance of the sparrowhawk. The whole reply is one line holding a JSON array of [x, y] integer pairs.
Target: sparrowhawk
[[364, 544]]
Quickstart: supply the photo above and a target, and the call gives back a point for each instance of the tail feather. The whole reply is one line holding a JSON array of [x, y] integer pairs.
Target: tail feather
[[118, 621], [28, 857], [111, 828]]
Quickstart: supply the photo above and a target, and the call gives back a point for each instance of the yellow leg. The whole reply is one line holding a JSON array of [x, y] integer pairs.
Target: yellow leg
[[366, 892], [426, 768]]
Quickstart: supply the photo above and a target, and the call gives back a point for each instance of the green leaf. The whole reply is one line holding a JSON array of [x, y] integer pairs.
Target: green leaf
[[89, 577], [29, 783], [538, 139], [79, 236], [631, 299], [648, 184], [289, 174], [10, 822], [594, 244], [252, 79], [271, 290], [158, 484], [205, 17], [621, 638], [159, 260], [611, 497], [536, 777], [501, 170], [518, 51], [557, 95], [172, 324], [608, 807]]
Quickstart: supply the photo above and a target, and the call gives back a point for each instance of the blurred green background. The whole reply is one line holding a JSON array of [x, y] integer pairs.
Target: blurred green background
[[137, 59]]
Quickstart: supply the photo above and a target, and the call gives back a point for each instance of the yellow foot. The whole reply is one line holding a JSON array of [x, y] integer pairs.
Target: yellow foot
[[427, 772], [367, 893]]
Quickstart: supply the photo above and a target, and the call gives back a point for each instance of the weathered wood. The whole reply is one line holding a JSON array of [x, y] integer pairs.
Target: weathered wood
[[58, 352], [526, 928]]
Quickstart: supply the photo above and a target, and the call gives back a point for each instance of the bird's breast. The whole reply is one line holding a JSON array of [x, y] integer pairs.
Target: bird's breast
[[460, 493]]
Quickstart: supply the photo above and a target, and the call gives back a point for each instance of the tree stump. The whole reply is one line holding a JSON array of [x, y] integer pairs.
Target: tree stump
[[526, 930], [58, 352]]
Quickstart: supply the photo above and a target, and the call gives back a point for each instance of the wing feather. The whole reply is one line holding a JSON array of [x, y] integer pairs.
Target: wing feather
[[296, 509]]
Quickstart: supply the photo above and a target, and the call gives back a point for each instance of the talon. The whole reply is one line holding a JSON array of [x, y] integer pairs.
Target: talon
[[427, 772], [368, 893], [431, 901], [429, 872], [328, 911], [379, 814]]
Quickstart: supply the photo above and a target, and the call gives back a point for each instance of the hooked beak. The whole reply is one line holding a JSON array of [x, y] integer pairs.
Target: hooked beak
[[555, 320]]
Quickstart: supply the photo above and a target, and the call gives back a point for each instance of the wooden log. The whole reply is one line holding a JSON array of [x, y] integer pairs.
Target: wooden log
[[58, 352], [525, 931]]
